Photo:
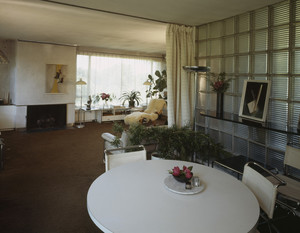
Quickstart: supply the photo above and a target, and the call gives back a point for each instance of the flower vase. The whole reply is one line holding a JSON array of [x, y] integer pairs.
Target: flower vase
[[220, 104], [105, 105]]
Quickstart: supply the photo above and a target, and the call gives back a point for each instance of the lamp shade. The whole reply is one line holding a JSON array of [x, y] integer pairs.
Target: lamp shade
[[80, 82], [147, 83], [196, 68]]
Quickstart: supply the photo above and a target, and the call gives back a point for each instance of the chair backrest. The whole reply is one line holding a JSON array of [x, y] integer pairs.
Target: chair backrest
[[262, 188], [120, 156], [155, 106], [292, 157]]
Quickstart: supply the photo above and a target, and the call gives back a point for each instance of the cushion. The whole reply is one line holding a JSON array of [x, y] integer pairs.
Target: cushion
[[137, 117]]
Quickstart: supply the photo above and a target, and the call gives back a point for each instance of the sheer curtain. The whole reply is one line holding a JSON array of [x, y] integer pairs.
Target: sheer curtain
[[180, 41], [114, 74]]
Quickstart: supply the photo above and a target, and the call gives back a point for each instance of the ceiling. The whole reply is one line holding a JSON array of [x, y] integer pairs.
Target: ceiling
[[133, 25]]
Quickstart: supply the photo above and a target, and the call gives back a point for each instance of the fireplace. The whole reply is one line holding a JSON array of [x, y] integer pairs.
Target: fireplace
[[41, 117]]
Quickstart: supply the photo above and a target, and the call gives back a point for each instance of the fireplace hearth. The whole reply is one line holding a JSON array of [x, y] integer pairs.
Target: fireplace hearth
[[45, 117]]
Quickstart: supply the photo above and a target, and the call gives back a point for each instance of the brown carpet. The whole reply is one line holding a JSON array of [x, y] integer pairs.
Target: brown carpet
[[46, 177]]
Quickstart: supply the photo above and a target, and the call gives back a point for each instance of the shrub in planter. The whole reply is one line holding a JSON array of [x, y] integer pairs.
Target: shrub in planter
[[178, 143]]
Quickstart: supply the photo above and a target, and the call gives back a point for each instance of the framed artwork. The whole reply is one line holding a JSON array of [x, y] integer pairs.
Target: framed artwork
[[255, 100]]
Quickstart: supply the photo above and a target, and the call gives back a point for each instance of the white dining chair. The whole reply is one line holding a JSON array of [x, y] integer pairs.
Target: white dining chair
[[263, 189], [119, 156], [289, 195]]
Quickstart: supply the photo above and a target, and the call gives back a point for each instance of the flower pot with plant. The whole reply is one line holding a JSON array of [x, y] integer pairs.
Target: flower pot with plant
[[132, 97], [178, 143], [103, 96], [182, 175], [219, 84]]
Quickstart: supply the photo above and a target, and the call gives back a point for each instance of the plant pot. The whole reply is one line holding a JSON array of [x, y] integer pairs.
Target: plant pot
[[182, 178], [131, 103], [155, 156]]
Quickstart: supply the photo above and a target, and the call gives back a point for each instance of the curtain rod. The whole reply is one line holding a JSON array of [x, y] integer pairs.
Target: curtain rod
[[81, 51], [45, 42]]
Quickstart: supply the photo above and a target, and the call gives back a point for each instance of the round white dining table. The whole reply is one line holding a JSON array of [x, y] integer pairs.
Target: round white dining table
[[134, 198]]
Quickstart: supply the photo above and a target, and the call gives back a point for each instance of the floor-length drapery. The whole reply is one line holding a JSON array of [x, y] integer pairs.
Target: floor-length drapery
[[180, 43]]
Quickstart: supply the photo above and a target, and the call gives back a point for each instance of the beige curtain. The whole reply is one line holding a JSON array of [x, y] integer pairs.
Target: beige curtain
[[180, 42]]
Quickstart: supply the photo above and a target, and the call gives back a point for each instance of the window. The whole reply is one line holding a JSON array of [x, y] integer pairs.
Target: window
[[114, 74], [261, 45]]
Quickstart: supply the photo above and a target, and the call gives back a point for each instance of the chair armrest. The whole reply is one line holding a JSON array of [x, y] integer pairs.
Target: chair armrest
[[108, 137], [281, 182]]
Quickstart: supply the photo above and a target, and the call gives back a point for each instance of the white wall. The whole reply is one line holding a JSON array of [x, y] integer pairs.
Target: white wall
[[6, 46], [31, 61], [26, 77]]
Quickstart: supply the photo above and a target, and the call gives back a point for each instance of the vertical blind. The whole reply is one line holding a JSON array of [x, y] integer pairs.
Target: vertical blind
[[114, 75], [261, 45]]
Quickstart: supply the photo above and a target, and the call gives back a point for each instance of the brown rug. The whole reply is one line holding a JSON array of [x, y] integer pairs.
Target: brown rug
[[46, 177]]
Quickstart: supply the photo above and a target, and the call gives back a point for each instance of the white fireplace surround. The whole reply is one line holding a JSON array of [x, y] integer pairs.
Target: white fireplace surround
[[27, 80]]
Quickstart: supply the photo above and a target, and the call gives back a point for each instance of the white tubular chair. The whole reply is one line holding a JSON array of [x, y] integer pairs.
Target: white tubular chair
[[119, 156], [263, 189], [289, 195], [108, 140]]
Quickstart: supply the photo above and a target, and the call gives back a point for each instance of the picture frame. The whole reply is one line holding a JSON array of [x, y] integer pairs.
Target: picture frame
[[255, 100]]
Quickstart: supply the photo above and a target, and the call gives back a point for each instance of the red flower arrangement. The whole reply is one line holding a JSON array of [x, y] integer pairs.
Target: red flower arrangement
[[105, 96], [182, 175], [219, 84]]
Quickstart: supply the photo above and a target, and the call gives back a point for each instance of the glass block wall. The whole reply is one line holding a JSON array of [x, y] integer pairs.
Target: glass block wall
[[261, 45]]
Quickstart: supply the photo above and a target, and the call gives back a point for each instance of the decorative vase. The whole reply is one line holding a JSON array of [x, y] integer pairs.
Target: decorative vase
[[220, 104], [105, 105]]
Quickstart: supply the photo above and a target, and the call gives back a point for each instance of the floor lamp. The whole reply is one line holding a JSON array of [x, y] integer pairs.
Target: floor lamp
[[80, 83]]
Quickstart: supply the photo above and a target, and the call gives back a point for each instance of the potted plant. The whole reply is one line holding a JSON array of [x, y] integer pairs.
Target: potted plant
[[159, 85], [178, 143], [131, 97]]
